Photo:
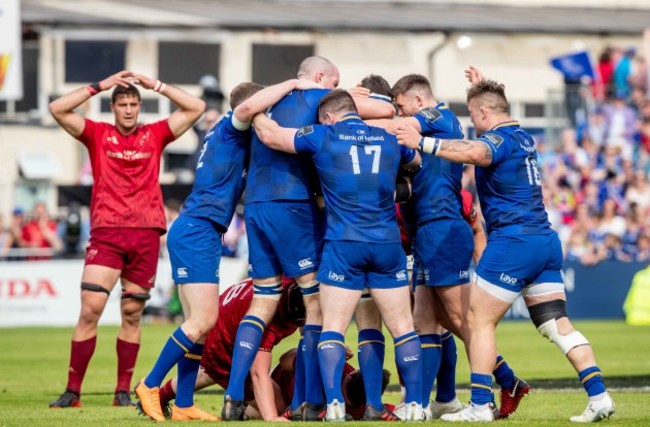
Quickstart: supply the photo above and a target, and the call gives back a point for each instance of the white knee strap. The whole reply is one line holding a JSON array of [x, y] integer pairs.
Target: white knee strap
[[272, 291], [565, 343]]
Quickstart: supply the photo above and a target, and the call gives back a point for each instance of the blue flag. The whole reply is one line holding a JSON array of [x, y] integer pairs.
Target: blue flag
[[574, 65]]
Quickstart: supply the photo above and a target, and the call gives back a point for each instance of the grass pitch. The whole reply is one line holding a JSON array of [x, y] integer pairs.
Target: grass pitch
[[33, 363]]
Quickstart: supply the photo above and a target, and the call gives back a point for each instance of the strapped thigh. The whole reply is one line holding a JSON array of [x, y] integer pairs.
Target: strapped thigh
[[85, 286], [138, 296]]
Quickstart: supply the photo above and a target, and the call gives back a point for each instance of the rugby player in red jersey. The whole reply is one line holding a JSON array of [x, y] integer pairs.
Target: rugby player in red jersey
[[127, 215], [216, 362]]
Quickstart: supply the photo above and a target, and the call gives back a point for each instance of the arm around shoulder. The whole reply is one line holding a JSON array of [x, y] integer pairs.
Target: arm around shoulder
[[273, 135]]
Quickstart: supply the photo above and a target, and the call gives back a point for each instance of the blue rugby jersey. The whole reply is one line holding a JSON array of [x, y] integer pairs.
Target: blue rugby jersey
[[220, 174], [436, 187], [275, 175], [510, 189], [357, 165]]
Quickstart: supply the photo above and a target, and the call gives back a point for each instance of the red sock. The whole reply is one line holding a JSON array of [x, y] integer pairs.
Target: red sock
[[80, 354], [166, 393], [127, 353]]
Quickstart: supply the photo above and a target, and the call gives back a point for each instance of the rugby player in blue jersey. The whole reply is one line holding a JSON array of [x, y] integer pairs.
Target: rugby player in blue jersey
[[442, 274], [357, 165], [285, 228], [523, 254], [194, 244]]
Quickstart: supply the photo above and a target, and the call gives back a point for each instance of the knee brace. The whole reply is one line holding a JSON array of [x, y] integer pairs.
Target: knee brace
[[138, 296], [309, 288], [545, 315], [270, 291], [94, 288]]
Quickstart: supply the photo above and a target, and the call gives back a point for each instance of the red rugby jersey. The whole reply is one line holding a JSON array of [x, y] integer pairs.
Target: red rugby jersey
[[469, 210], [126, 191]]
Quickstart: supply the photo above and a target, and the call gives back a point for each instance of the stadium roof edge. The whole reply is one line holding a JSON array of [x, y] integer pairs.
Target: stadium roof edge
[[296, 15]]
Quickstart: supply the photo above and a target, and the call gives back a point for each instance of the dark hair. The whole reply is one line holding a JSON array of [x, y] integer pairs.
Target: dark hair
[[242, 92], [377, 84], [490, 93], [356, 391], [410, 82], [337, 101], [120, 90]]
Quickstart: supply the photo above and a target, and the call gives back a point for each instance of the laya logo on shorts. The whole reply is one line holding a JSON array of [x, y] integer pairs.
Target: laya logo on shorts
[[335, 277], [507, 279], [411, 358], [401, 275], [305, 263], [181, 272], [463, 274], [246, 344]]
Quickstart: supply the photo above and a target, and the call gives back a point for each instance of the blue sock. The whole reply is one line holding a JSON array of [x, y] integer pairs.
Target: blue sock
[[298, 379], [371, 363], [176, 346], [481, 391], [446, 379], [408, 357], [314, 393], [188, 369], [331, 356], [431, 349], [247, 342], [592, 381], [503, 375]]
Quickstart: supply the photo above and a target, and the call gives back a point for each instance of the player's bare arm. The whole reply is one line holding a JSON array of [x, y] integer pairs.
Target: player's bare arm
[[267, 97], [62, 109], [473, 74], [273, 135], [474, 152], [370, 108], [263, 387], [391, 125], [190, 107]]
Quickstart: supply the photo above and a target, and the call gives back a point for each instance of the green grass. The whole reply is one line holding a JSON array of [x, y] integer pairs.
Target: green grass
[[33, 363]]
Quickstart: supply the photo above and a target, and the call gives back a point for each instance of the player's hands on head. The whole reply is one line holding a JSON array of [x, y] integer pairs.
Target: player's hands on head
[[408, 135], [144, 81], [121, 78], [474, 75], [359, 91], [305, 84]]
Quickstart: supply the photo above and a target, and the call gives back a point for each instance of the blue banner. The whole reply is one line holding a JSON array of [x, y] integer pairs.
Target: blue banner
[[574, 65]]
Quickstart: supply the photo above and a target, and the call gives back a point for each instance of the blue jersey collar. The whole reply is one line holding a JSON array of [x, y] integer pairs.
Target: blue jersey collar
[[505, 124]]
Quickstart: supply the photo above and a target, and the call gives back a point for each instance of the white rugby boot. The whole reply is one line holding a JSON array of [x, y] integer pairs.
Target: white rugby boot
[[438, 409], [596, 410], [335, 412], [472, 413]]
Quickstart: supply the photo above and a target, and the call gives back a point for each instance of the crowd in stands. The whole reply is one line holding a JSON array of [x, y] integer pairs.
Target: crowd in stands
[[595, 177]]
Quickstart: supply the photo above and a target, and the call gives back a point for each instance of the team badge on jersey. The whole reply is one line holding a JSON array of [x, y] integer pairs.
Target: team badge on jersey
[[305, 130], [430, 114], [496, 140]]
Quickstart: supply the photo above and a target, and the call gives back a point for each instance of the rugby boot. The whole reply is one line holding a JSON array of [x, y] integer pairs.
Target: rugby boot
[[473, 413], [293, 415], [69, 399], [438, 409], [335, 412], [123, 398], [409, 412], [191, 413], [596, 410], [313, 412], [511, 397], [233, 410], [149, 401], [372, 414]]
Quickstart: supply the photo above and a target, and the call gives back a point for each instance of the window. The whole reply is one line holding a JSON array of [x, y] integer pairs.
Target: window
[[185, 63], [276, 63], [91, 61], [533, 109]]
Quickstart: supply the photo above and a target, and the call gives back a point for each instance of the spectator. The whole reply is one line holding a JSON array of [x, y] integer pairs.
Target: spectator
[[6, 239], [623, 71], [41, 232]]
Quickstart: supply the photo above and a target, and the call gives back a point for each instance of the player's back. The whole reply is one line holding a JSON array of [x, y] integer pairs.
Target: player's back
[[220, 174], [358, 165], [436, 187], [510, 188], [275, 175]]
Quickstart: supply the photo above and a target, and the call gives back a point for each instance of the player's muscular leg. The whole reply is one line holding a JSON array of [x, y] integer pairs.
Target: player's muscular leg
[[395, 308], [483, 315], [201, 302], [132, 311], [262, 307], [424, 317], [337, 305], [575, 346], [455, 300], [313, 313], [92, 302]]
